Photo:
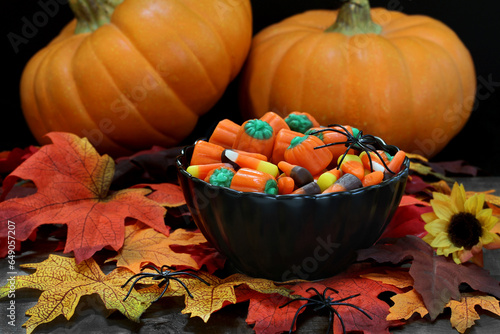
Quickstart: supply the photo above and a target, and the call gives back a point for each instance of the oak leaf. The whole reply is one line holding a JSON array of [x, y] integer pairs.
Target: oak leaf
[[64, 282], [143, 245], [436, 278], [73, 182], [464, 313]]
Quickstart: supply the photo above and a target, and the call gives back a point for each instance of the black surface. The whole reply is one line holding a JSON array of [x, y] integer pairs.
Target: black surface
[[476, 23]]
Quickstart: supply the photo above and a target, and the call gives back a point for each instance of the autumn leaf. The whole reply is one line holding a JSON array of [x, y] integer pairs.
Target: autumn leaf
[[167, 194], [464, 313], [73, 182], [407, 220], [268, 313], [9, 160], [209, 298], [64, 282], [155, 165], [436, 278], [406, 305], [143, 245]]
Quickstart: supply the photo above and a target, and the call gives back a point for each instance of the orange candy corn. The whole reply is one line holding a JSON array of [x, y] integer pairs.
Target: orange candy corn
[[246, 161]]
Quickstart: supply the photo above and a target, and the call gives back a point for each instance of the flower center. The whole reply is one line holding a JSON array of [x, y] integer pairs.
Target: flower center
[[464, 230]]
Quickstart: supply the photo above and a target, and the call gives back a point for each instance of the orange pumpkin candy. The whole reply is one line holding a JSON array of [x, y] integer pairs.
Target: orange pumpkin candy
[[141, 78], [406, 78]]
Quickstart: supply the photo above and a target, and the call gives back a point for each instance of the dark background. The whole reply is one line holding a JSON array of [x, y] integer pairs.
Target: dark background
[[475, 22]]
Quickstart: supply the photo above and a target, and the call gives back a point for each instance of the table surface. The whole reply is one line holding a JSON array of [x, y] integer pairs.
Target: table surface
[[165, 316]]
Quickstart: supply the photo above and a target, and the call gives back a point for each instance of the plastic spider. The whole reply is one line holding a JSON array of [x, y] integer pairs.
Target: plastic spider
[[165, 274], [367, 143], [321, 302]]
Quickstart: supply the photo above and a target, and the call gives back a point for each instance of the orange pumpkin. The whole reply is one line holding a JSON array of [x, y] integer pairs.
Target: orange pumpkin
[[129, 74], [406, 78]]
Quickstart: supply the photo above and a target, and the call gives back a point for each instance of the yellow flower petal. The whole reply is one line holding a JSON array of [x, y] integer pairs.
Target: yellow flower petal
[[428, 217], [487, 220], [458, 198], [440, 197], [442, 210], [474, 204], [437, 226], [441, 241]]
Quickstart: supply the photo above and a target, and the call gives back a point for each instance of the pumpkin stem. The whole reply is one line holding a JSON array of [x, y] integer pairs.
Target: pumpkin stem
[[355, 18], [91, 14]]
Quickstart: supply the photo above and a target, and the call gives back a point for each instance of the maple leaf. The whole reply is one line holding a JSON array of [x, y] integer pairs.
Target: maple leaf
[[463, 311], [72, 182], [9, 160], [269, 318], [167, 194], [207, 299], [64, 282], [143, 245], [464, 314], [436, 278]]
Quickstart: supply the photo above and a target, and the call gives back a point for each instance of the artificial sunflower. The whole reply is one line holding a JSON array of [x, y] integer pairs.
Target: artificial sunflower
[[459, 226]]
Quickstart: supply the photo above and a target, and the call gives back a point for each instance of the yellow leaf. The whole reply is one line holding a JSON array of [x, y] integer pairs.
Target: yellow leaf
[[416, 157], [144, 245], [464, 314], [207, 299], [64, 282], [405, 305]]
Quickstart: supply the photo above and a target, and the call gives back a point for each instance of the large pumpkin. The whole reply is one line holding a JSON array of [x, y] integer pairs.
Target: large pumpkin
[[129, 74], [406, 78]]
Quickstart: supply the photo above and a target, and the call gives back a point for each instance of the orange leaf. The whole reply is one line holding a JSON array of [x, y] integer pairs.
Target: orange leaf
[[144, 245], [411, 200], [73, 182], [64, 282], [405, 305], [167, 194], [464, 314]]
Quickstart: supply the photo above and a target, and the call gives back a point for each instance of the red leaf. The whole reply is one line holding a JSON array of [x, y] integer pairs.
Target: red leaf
[[436, 278], [9, 160], [455, 167], [407, 220], [269, 318], [72, 182]]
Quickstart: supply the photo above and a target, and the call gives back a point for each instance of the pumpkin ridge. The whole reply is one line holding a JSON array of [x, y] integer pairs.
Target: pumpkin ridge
[[160, 77], [198, 61], [47, 59], [275, 80], [212, 28], [305, 71], [134, 109]]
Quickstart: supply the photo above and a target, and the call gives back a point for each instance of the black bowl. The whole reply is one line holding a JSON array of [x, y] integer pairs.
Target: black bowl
[[284, 237]]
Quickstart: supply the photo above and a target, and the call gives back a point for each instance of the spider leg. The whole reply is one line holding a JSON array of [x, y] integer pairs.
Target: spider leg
[[356, 307], [340, 318], [296, 315], [183, 284], [163, 292], [314, 289], [141, 276], [189, 274], [346, 298], [150, 266], [298, 299]]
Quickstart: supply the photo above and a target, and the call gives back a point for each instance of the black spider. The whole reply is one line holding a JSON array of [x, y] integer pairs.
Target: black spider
[[321, 302], [367, 143], [165, 274]]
